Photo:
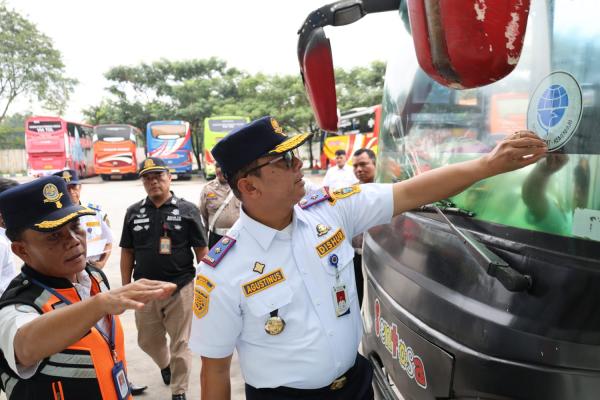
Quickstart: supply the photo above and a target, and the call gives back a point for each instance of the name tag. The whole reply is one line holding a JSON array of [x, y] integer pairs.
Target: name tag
[[141, 221], [92, 223], [331, 243], [262, 283], [173, 218]]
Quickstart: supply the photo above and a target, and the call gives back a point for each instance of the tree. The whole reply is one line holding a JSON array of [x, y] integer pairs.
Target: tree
[[12, 132], [29, 65]]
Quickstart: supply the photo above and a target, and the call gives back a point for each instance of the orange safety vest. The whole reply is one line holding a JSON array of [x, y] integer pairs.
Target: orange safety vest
[[83, 370]]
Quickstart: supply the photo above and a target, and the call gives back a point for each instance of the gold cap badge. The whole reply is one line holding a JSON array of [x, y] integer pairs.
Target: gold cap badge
[[278, 129], [52, 195], [67, 176], [149, 163]]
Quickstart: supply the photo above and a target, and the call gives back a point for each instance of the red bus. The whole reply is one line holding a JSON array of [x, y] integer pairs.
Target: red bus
[[53, 144], [115, 150]]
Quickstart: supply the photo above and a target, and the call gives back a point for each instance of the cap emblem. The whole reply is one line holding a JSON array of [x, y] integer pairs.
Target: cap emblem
[[278, 129], [52, 195], [67, 176], [149, 163]]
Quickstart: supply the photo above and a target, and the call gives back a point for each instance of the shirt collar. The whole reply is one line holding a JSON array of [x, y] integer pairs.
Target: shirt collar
[[171, 200]]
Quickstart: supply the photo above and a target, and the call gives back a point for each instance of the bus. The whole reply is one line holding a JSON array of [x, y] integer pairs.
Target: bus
[[492, 293], [116, 151], [171, 141], [53, 144], [215, 129], [357, 128]]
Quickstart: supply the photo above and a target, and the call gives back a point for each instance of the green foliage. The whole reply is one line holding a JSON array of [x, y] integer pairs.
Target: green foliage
[[196, 89], [12, 132], [29, 65]]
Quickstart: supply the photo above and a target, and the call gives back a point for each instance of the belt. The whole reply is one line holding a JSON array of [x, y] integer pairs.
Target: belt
[[337, 384], [220, 231]]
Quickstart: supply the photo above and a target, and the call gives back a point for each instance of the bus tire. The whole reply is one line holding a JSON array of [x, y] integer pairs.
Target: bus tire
[[105, 177]]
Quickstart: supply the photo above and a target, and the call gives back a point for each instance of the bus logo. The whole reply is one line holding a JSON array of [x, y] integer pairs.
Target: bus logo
[[555, 109]]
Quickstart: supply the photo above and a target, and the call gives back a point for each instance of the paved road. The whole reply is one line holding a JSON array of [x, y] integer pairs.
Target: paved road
[[115, 197]]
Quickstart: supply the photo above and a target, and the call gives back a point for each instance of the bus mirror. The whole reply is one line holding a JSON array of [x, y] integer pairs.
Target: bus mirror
[[465, 44], [316, 66]]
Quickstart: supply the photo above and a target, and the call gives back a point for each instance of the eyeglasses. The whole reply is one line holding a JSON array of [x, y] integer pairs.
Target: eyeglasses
[[288, 157]]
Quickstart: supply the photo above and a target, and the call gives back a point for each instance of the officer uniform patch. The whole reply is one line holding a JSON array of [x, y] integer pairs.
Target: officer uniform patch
[[218, 251], [262, 283], [310, 199], [330, 243], [258, 267], [202, 288]]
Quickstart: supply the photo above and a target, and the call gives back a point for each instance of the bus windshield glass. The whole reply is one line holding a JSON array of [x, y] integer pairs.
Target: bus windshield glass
[[44, 126], [170, 131], [113, 133], [426, 125], [224, 125]]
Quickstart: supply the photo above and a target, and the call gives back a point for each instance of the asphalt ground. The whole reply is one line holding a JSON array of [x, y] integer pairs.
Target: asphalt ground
[[114, 197]]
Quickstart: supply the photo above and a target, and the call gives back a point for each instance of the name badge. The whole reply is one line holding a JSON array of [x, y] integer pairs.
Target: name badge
[[164, 246], [340, 300], [120, 380], [173, 217], [141, 221]]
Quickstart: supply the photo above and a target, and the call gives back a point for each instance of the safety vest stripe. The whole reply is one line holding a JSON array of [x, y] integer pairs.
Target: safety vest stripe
[[73, 359], [69, 372], [9, 384], [42, 298]]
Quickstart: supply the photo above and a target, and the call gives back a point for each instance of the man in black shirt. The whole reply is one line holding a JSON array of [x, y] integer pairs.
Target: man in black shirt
[[158, 236]]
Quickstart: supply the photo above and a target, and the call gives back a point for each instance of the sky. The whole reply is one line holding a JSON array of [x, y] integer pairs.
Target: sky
[[252, 35]]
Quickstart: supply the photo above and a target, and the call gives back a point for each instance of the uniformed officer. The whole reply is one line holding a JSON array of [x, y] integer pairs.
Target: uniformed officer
[[60, 337], [219, 208], [158, 236], [280, 286], [97, 227]]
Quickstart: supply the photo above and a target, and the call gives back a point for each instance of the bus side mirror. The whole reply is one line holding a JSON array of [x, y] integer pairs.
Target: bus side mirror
[[316, 66], [467, 44]]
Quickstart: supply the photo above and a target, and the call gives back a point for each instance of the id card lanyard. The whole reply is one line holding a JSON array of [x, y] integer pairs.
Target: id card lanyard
[[118, 370], [340, 294], [164, 245]]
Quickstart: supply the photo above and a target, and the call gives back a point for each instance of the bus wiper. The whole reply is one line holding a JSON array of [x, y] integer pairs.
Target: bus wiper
[[450, 208], [493, 265]]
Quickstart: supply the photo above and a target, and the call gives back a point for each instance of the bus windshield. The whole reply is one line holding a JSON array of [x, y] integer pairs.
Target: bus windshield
[[114, 133], [170, 131], [224, 125]]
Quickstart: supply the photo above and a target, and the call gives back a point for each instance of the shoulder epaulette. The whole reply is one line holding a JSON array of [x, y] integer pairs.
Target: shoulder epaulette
[[217, 252], [315, 197], [94, 207]]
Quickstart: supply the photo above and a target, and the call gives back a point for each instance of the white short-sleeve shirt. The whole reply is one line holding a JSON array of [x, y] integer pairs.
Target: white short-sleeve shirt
[[316, 346]]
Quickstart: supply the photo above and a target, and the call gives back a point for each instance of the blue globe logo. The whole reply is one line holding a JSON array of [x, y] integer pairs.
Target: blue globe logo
[[552, 106]]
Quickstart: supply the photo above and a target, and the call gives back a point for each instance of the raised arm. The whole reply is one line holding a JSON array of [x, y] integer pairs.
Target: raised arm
[[522, 149]]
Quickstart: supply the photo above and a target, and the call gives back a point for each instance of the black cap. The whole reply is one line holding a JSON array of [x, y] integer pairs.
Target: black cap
[[249, 142], [152, 164], [69, 175], [42, 205]]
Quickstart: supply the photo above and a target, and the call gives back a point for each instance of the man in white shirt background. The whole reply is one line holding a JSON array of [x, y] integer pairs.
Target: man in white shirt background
[[341, 175], [7, 266]]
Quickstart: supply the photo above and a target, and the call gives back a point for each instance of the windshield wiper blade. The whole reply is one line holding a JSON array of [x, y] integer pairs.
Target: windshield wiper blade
[[493, 264]]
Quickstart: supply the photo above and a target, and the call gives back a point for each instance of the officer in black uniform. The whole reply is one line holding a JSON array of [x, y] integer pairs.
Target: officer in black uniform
[[158, 236]]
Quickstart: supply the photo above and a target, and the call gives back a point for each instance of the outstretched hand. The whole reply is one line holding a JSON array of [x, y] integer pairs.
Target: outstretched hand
[[519, 150], [134, 295]]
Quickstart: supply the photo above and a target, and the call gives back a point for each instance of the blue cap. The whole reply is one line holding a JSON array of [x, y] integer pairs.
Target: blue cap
[[259, 138], [152, 164], [42, 205], [69, 175]]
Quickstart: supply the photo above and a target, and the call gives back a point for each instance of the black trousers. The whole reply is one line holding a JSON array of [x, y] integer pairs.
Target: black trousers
[[358, 387], [359, 277], [213, 238]]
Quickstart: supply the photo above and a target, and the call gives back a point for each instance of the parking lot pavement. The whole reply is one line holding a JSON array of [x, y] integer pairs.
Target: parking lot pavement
[[114, 197]]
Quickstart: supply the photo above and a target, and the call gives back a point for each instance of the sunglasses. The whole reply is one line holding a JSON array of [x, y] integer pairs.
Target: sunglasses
[[288, 157]]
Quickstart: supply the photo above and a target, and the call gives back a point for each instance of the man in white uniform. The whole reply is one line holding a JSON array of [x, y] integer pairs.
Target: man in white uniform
[[341, 175], [280, 286], [97, 227]]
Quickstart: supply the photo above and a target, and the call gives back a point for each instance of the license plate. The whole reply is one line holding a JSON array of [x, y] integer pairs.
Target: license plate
[[47, 166], [116, 177]]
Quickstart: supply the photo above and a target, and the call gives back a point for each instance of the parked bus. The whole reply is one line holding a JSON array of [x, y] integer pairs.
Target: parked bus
[[171, 141], [53, 144], [493, 293], [357, 128], [215, 129], [116, 151]]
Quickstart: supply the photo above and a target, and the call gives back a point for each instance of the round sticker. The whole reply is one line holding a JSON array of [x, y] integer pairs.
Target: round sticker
[[555, 109]]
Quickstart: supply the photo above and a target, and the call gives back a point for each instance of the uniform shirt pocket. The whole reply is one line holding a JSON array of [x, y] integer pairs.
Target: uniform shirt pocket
[[260, 304]]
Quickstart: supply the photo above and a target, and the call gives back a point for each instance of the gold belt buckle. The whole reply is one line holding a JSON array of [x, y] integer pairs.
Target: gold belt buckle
[[338, 383]]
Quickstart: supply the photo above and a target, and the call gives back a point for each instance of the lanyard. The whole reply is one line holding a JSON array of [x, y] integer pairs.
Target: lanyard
[[109, 339]]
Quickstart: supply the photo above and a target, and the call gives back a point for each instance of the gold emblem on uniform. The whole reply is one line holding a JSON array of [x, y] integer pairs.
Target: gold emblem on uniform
[[202, 288], [52, 195], [225, 241], [149, 163], [258, 267], [217, 250], [274, 325], [303, 202], [67, 176], [322, 229], [278, 129]]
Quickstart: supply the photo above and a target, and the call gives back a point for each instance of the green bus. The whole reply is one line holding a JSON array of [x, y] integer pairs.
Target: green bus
[[215, 129]]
